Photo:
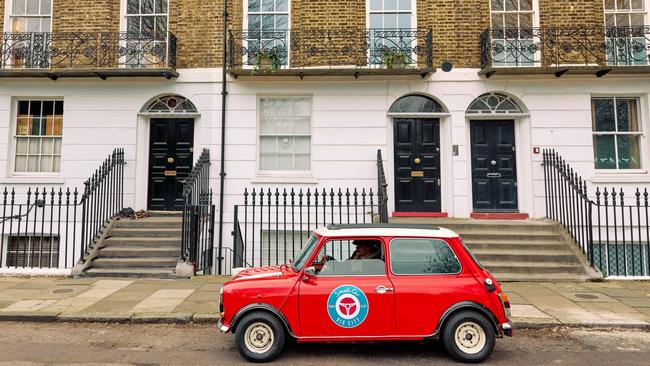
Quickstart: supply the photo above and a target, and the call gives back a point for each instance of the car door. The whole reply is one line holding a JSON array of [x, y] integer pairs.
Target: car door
[[346, 298], [428, 279]]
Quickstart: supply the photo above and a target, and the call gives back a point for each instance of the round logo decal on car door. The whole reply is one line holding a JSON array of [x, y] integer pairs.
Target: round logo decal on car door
[[347, 306]]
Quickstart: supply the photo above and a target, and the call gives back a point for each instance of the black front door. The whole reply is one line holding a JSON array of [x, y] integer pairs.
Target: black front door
[[417, 165], [494, 168], [170, 162]]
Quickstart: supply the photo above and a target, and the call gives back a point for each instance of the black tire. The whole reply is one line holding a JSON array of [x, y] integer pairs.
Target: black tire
[[266, 337], [476, 337]]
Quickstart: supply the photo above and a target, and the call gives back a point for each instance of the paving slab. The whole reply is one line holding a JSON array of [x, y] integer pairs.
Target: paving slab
[[7, 284], [210, 287], [35, 284], [635, 302], [163, 300], [528, 311]]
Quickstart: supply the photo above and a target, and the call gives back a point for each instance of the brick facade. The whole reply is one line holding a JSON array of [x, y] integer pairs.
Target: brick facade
[[456, 24], [86, 16], [571, 13]]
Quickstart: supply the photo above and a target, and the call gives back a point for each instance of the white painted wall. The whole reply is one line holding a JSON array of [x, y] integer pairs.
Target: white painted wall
[[349, 123]]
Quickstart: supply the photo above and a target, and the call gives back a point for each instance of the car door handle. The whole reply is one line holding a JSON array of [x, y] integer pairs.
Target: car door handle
[[384, 289]]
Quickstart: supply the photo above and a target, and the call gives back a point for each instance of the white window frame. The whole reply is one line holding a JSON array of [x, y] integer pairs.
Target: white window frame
[[646, 7], [124, 16], [9, 11], [13, 142], [414, 24], [641, 107], [289, 174], [245, 64], [536, 24]]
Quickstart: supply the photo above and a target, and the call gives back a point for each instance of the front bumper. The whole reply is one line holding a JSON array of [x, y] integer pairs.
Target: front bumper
[[507, 328], [222, 327]]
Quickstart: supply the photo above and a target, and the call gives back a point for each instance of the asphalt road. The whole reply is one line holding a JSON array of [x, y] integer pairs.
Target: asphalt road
[[142, 344]]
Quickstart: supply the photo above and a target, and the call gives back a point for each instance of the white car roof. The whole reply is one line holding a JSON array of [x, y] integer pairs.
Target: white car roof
[[385, 230]]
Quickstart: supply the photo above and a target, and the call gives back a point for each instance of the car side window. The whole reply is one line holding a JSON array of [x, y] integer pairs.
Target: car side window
[[422, 257], [350, 258]]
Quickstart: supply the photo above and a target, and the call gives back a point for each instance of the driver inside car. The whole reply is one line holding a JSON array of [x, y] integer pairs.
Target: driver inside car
[[365, 249]]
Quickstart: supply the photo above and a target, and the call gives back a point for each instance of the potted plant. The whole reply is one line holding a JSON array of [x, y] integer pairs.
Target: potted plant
[[392, 58], [267, 60]]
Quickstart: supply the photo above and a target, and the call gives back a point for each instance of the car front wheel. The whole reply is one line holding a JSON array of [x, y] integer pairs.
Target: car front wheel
[[469, 337], [260, 337]]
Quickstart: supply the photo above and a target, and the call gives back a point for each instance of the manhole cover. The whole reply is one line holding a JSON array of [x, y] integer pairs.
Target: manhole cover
[[63, 291], [586, 296]]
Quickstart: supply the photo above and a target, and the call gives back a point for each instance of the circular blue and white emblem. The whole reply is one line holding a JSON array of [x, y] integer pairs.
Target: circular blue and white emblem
[[347, 306]]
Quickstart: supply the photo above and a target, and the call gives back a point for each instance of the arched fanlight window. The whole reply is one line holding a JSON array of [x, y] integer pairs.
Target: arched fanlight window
[[415, 104], [494, 103], [170, 104]]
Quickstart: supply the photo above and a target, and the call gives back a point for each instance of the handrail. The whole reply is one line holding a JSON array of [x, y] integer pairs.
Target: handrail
[[382, 193]]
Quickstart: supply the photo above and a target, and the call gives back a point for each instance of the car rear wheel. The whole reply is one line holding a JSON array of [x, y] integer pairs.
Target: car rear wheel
[[260, 337], [469, 337]]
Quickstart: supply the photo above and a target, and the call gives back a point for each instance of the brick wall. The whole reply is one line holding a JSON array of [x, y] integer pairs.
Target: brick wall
[[569, 13], [86, 16], [2, 16]]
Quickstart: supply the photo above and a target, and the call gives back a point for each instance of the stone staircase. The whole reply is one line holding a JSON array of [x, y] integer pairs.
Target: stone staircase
[[144, 248], [518, 250]]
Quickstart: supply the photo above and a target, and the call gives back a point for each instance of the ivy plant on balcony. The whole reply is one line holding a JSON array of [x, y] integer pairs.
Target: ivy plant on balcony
[[395, 58], [267, 60]]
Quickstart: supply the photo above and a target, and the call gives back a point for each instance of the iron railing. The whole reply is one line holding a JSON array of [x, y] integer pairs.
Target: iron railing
[[357, 48], [87, 50], [197, 238], [570, 46], [611, 227], [272, 224], [382, 192], [52, 228]]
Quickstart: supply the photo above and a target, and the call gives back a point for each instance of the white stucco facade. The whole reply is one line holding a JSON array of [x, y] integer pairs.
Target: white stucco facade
[[349, 122]]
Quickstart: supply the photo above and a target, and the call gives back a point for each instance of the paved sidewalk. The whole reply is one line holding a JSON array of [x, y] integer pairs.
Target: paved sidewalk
[[607, 304]]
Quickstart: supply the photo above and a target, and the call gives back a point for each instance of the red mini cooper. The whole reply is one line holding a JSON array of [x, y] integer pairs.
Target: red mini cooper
[[379, 282]]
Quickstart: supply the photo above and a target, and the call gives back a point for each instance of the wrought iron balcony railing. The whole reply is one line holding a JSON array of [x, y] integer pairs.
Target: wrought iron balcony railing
[[604, 47], [97, 51], [346, 50]]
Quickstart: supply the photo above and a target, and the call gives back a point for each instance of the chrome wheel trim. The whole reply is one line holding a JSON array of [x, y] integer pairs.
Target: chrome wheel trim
[[259, 338], [470, 338]]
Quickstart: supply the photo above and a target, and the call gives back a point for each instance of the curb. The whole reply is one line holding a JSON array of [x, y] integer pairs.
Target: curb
[[213, 318]]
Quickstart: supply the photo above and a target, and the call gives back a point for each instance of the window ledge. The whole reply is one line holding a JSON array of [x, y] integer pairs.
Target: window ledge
[[32, 180], [285, 179], [620, 178]]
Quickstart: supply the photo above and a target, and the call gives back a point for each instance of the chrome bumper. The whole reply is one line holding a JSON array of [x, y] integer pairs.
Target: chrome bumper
[[507, 328], [222, 327]]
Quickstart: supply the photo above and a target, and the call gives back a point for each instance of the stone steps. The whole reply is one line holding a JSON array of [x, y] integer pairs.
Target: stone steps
[[517, 250], [149, 247]]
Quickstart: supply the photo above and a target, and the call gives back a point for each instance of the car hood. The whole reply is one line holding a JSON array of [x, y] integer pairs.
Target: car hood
[[261, 272]]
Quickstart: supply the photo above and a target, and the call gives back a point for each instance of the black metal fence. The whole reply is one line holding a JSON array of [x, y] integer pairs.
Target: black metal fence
[[272, 224], [553, 46], [611, 226], [300, 48], [197, 239], [382, 192], [42, 50], [53, 228]]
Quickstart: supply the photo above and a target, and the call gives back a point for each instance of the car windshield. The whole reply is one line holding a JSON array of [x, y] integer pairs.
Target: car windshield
[[304, 254]]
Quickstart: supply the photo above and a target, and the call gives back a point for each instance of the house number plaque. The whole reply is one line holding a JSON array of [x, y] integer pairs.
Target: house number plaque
[[170, 173], [417, 173]]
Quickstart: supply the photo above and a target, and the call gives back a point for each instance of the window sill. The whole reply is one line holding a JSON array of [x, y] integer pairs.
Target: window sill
[[621, 177], [32, 180], [285, 179]]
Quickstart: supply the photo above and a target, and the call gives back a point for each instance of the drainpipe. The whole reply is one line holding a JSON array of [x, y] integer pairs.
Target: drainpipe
[[224, 95]]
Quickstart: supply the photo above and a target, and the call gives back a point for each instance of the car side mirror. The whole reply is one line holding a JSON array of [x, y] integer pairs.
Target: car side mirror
[[309, 273]]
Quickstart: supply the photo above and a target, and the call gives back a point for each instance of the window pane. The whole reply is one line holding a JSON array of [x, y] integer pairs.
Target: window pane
[[32, 7], [390, 4], [268, 23], [34, 145], [33, 25], [21, 163], [47, 146], [627, 115], [253, 5], [637, 4], [422, 256], [610, 20], [133, 7], [376, 21], [511, 5], [147, 7], [390, 21], [57, 146], [282, 5], [629, 152], [46, 24], [512, 20], [21, 145], [496, 5], [302, 162], [32, 164], [18, 7], [610, 5], [623, 4], [23, 126], [375, 4], [281, 22], [622, 20], [267, 5], [637, 20], [288, 118], [404, 21], [497, 21], [404, 4], [344, 257], [254, 23], [161, 6], [46, 7], [526, 5], [603, 114], [133, 24], [46, 164], [604, 152], [56, 164]]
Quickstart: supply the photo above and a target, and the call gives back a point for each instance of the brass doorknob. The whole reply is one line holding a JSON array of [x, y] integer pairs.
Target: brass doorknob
[[170, 160], [417, 161]]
